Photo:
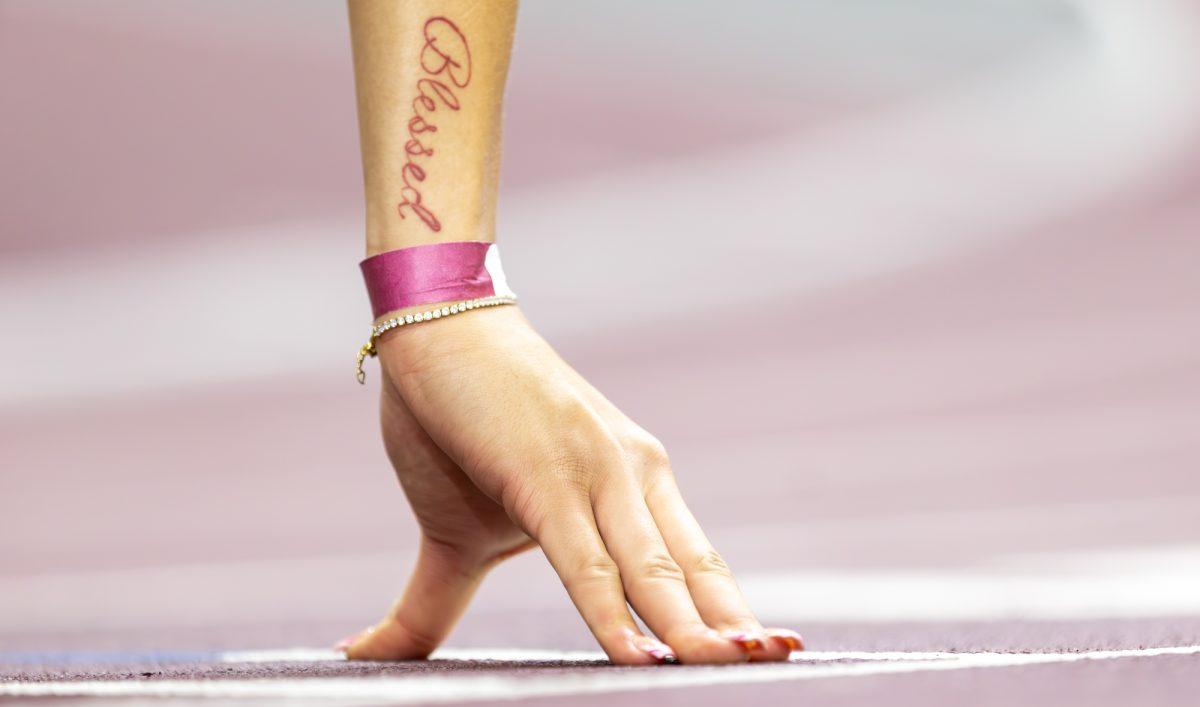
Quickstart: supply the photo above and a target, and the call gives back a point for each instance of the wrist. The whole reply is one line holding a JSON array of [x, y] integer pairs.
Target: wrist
[[461, 211], [421, 319], [426, 312], [434, 273], [386, 231], [415, 285], [444, 344]]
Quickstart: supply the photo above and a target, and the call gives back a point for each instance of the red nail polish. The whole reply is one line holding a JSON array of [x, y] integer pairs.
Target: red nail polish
[[746, 641], [791, 639]]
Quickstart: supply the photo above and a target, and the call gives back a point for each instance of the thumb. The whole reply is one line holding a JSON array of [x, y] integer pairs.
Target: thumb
[[437, 594]]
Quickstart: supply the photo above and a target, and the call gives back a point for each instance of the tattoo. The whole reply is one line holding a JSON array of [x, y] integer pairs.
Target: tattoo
[[446, 61]]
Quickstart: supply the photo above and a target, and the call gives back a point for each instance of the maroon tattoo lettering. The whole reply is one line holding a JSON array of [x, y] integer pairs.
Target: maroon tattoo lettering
[[446, 61]]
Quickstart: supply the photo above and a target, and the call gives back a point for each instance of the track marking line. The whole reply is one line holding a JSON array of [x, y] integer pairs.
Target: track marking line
[[447, 688], [316, 655]]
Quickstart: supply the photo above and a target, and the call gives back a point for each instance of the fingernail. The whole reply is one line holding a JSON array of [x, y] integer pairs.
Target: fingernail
[[344, 644], [746, 641], [789, 638], [660, 652]]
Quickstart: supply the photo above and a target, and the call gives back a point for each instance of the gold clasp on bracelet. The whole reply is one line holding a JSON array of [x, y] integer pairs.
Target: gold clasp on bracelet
[[368, 349]]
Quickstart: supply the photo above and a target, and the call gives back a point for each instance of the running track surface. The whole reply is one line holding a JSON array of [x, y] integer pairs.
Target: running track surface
[[937, 405]]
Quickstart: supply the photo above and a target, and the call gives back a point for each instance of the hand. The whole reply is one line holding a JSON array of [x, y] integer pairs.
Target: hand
[[499, 444]]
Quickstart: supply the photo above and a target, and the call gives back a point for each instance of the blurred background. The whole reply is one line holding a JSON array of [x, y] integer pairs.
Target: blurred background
[[914, 306]]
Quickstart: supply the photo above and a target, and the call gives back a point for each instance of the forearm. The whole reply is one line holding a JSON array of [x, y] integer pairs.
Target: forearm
[[430, 80], [521, 450]]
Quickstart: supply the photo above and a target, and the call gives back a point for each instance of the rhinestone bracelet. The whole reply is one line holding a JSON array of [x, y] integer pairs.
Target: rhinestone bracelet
[[378, 330]]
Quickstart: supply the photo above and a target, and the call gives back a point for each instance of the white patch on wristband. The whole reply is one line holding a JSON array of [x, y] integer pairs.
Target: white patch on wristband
[[491, 263]]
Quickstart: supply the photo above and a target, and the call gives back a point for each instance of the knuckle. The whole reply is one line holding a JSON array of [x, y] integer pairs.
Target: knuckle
[[710, 562], [660, 567], [647, 450], [595, 569]]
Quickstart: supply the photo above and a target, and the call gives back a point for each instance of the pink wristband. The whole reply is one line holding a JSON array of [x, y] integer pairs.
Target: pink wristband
[[439, 272]]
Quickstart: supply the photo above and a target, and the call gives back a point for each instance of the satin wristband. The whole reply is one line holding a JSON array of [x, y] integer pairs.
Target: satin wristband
[[437, 272]]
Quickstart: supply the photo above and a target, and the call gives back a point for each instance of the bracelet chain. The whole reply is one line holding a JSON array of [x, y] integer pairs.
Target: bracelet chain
[[378, 330]]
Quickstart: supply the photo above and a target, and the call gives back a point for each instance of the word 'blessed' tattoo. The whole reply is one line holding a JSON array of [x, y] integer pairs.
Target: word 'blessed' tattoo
[[446, 61]]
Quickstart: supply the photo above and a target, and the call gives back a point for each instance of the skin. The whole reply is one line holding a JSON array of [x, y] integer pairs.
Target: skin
[[499, 445]]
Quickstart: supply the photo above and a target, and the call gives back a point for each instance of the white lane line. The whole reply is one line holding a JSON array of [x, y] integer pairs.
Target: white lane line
[[315, 655], [448, 688], [318, 655]]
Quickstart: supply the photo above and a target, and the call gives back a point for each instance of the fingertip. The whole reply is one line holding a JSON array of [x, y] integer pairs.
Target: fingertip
[[707, 646], [757, 644], [748, 641], [627, 645], [389, 641], [346, 644], [773, 651], [786, 637], [658, 652]]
